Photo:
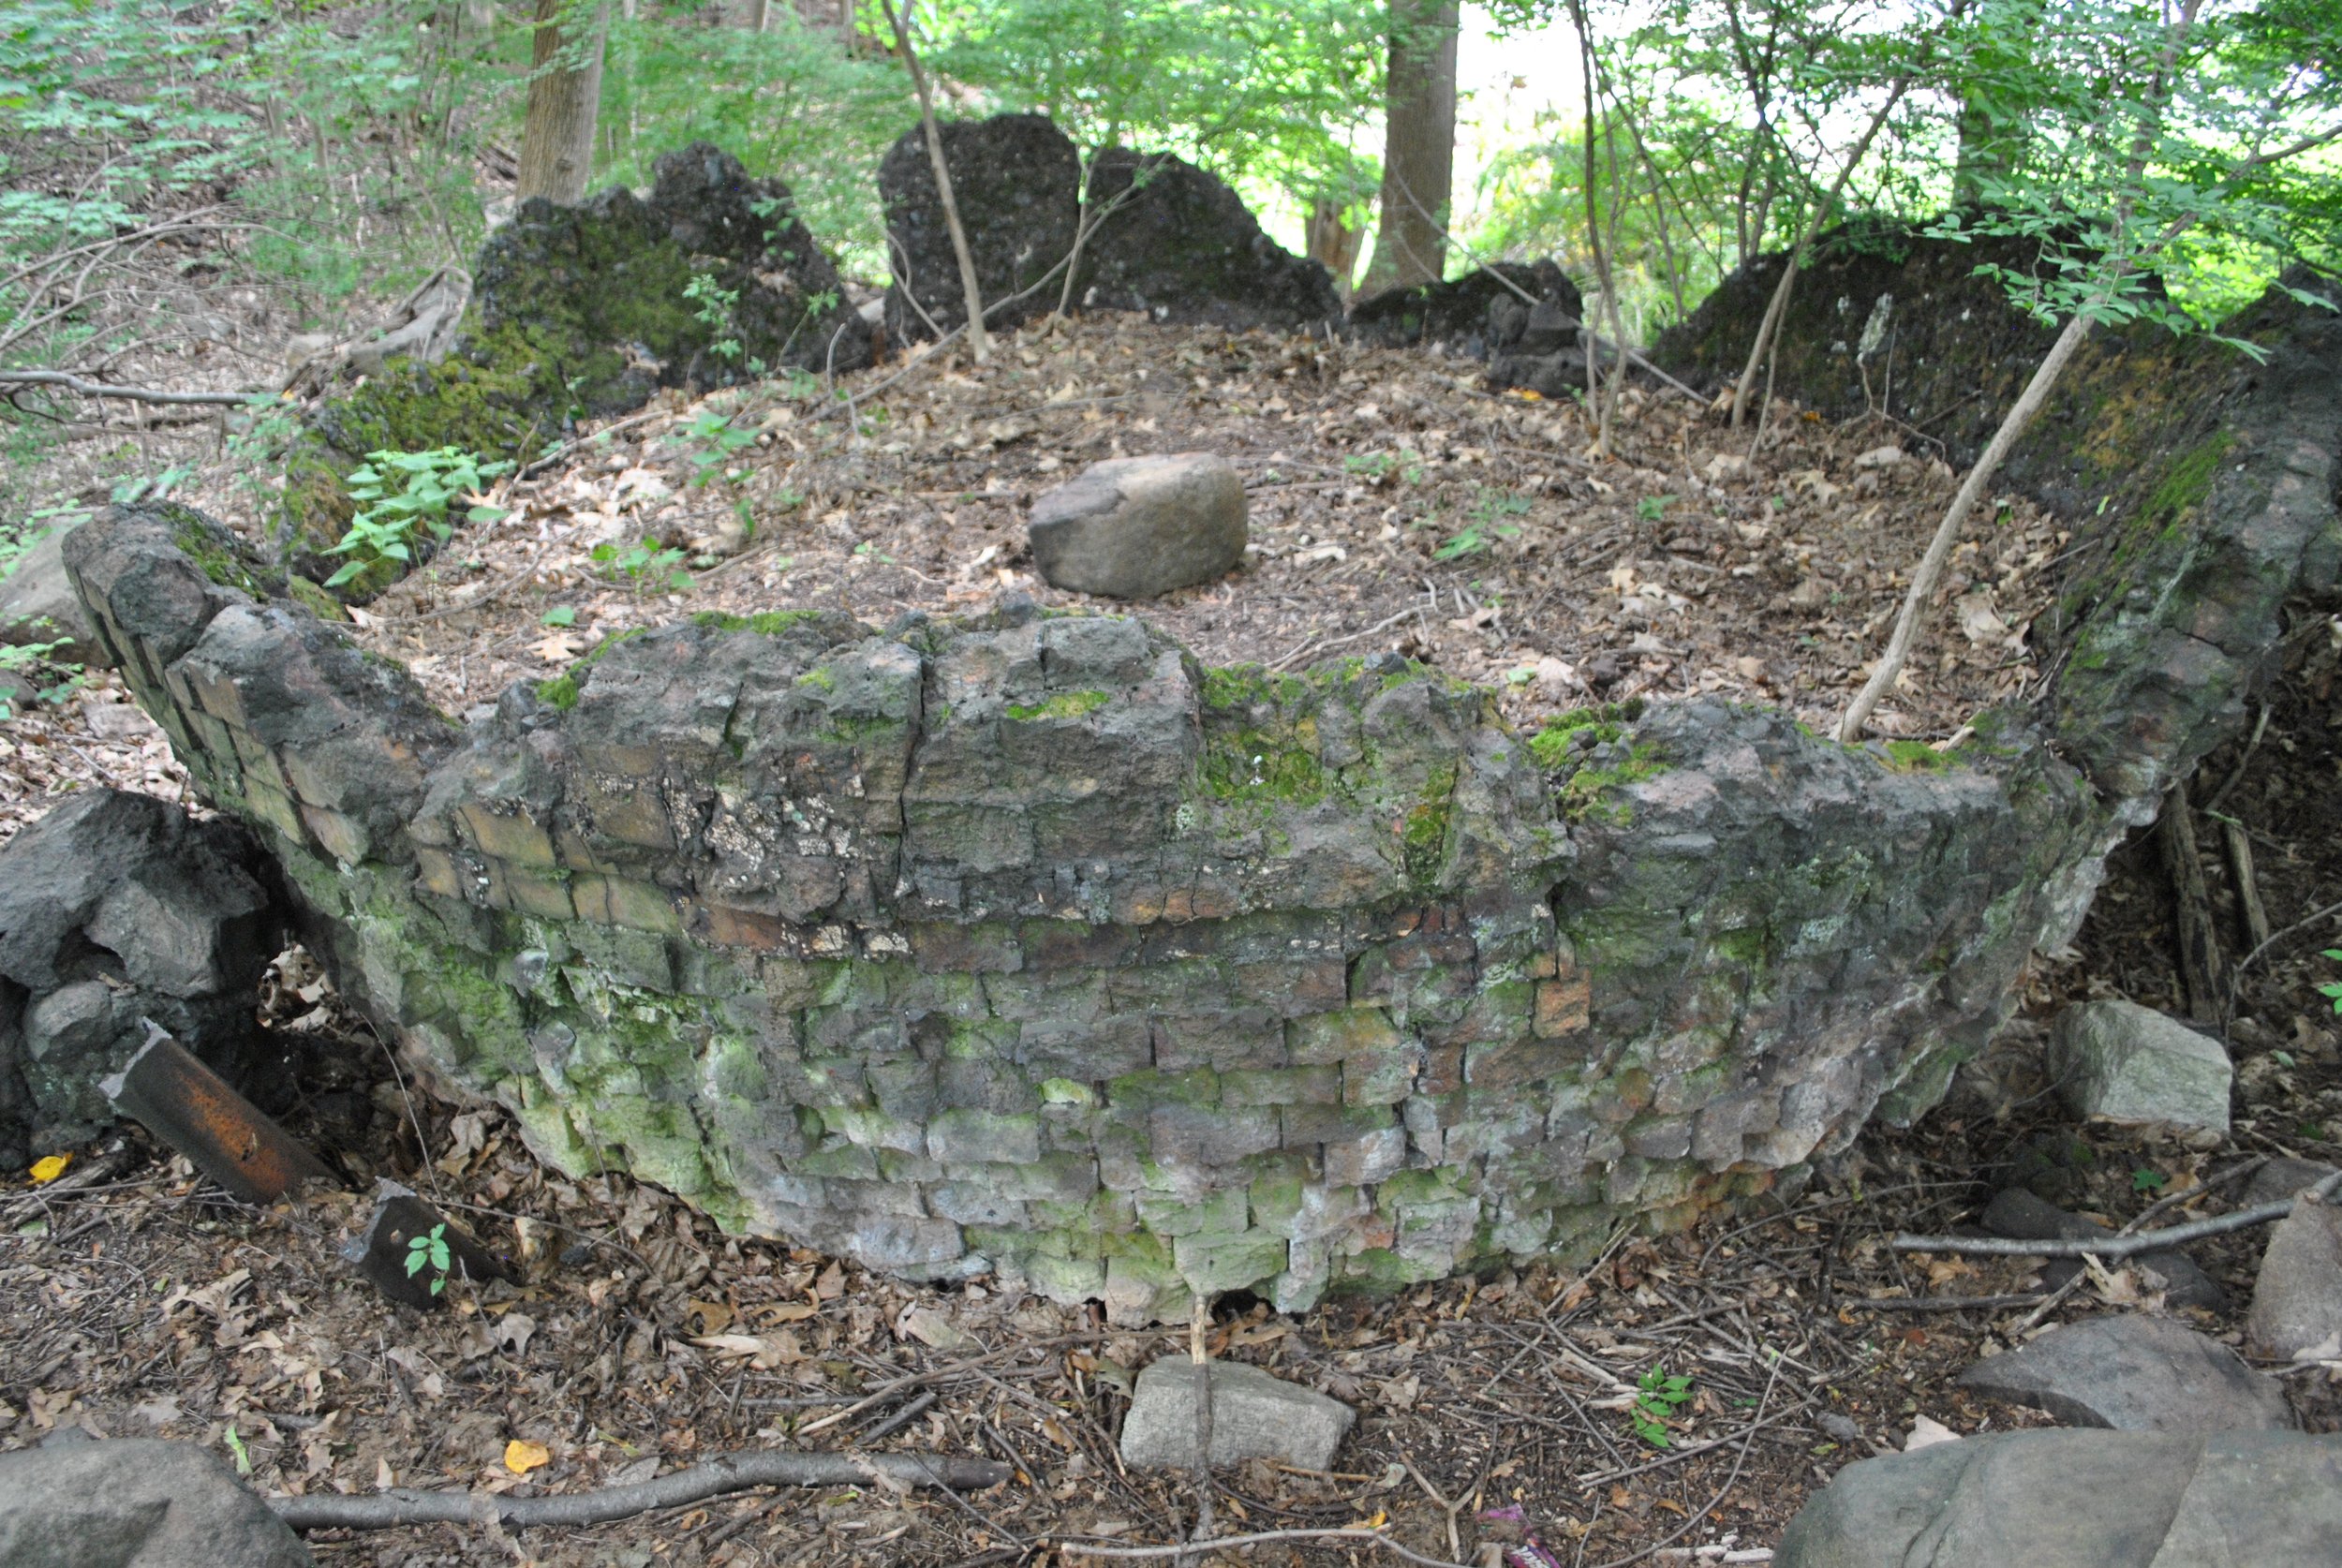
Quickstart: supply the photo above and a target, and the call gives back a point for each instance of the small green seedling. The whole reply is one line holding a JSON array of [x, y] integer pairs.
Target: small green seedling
[[431, 1251], [2332, 989], [1658, 1396], [398, 492], [1651, 508], [2145, 1180]]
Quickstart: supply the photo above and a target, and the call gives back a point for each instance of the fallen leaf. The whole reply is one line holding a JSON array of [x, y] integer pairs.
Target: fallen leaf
[[513, 1331], [561, 647], [1926, 1434], [764, 1352], [521, 1457], [50, 1167], [930, 1328]]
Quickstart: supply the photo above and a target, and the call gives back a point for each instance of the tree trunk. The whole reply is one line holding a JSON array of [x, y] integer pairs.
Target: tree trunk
[[564, 96], [1418, 146], [1334, 243]]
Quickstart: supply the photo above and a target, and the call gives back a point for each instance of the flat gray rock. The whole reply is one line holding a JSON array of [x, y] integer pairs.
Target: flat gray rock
[[2080, 1499], [136, 1503], [2134, 1374], [38, 604], [2118, 1061], [1133, 527], [1253, 1417], [2297, 1300]]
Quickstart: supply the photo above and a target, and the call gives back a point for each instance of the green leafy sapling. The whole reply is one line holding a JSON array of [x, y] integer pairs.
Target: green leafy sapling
[[431, 1251], [1657, 1398], [399, 492]]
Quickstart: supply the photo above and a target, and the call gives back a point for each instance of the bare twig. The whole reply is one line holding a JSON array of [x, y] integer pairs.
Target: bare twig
[[2114, 1246], [1353, 1534], [79, 387], [732, 1473]]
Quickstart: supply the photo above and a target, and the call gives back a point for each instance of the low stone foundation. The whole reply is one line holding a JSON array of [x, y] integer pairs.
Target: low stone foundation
[[1027, 945]]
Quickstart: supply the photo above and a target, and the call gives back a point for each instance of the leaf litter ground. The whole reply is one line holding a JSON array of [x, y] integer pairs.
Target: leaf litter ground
[[1493, 1414]]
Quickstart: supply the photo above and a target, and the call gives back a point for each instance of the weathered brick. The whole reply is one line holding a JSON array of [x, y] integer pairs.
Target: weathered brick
[[533, 892], [1363, 1162], [510, 835], [1325, 1038], [1563, 1007], [980, 947], [1288, 1086], [973, 1137]]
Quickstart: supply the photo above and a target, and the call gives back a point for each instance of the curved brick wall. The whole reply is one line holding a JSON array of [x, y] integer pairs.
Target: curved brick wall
[[1029, 945]]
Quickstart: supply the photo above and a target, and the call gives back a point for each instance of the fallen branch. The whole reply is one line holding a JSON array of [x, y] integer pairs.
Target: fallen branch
[[733, 1472], [1353, 1533], [2114, 1246], [135, 394]]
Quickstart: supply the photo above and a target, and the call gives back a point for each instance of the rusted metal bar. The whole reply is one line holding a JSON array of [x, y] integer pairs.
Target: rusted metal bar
[[193, 1109]]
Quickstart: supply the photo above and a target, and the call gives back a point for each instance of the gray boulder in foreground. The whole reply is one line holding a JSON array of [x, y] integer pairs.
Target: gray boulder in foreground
[[2118, 1061], [1253, 1417], [1133, 527], [2297, 1300], [2058, 1498], [2135, 1374], [135, 1504]]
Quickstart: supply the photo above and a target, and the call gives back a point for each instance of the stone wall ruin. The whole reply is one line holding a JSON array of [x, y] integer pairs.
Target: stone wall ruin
[[1025, 944]]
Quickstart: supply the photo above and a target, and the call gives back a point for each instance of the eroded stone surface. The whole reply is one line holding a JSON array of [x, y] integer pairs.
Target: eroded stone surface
[[1016, 180], [1253, 1417], [2134, 1373], [1184, 248], [2079, 1500], [38, 604]]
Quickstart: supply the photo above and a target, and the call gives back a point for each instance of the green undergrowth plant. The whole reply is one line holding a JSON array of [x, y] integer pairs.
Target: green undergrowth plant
[[710, 441], [1491, 514], [399, 492], [431, 1251], [1657, 1397], [32, 670], [645, 564], [2332, 989]]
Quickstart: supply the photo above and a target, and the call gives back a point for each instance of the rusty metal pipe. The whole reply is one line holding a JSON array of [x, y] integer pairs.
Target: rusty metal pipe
[[194, 1110]]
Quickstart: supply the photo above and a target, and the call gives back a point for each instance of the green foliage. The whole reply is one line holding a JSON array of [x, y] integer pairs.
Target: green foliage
[[1657, 1398], [646, 563], [1491, 513], [2144, 1179], [33, 667], [1258, 91], [711, 441], [2332, 989], [399, 492], [431, 1251]]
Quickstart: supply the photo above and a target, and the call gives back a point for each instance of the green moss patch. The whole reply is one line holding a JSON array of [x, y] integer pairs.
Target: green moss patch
[[1066, 705]]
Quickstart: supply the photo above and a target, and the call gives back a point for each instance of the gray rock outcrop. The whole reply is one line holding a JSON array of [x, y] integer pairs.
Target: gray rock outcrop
[[2297, 1297], [114, 908], [2122, 1062], [2079, 1500], [135, 1504], [1182, 246], [1016, 180], [2134, 1373], [1253, 1417], [1133, 528]]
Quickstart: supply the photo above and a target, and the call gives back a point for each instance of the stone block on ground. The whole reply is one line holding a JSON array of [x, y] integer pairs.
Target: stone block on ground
[[1184, 248], [2080, 1499], [2134, 1374], [2297, 1298], [2118, 1061], [1253, 1417], [1133, 527], [2021, 1216], [38, 604], [135, 1504], [1016, 180]]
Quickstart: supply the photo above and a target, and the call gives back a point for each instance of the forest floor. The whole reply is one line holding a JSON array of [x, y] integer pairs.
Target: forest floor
[[145, 1303]]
